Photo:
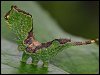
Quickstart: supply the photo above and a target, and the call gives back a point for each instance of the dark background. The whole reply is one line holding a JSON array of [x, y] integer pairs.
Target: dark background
[[80, 18]]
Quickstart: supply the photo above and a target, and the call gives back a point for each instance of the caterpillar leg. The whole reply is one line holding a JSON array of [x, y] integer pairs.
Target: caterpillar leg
[[34, 62], [35, 59], [25, 57], [45, 63]]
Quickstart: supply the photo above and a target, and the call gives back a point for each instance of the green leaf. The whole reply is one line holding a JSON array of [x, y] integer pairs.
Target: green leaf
[[82, 59]]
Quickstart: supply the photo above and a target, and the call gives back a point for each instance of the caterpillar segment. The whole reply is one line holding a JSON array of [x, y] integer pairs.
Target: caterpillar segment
[[45, 51]]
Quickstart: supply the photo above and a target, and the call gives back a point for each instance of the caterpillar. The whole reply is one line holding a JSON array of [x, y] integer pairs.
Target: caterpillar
[[21, 23]]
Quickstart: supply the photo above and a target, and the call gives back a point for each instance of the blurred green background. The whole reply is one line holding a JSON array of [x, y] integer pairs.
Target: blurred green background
[[80, 18]]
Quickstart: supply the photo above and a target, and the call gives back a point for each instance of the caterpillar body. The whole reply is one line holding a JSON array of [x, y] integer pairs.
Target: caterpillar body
[[21, 23]]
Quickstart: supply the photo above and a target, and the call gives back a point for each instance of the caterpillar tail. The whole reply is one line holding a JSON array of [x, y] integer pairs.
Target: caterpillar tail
[[85, 42]]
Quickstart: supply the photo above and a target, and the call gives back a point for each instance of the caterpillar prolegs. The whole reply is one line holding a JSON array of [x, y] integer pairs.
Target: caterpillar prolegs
[[21, 23], [47, 50]]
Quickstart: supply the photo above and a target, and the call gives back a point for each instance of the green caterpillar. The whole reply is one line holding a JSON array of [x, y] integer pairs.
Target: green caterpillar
[[21, 23]]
